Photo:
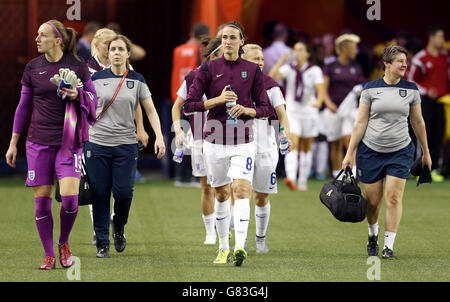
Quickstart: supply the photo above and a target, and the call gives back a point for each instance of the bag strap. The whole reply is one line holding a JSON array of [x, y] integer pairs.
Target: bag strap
[[114, 96], [348, 174]]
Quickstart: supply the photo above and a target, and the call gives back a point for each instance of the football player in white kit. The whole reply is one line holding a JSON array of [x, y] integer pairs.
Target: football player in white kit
[[266, 158], [305, 93], [212, 50]]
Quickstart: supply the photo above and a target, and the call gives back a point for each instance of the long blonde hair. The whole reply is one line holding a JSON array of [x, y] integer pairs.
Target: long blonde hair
[[69, 37], [98, 35]]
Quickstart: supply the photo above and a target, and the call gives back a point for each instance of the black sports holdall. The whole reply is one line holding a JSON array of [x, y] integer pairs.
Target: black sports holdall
[[343, 198], [85, 193]]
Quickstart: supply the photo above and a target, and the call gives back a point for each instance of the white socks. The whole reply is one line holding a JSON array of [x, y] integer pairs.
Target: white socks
[[389, 238], [291, 165], [222, 213], [304, 167], [241, 219], [322, 157], [262, 215], [373, 229], [209, 221], [335, 173]]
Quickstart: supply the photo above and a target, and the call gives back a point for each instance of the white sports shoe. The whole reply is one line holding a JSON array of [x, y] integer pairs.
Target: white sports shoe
[[210, 239], [261, 247]]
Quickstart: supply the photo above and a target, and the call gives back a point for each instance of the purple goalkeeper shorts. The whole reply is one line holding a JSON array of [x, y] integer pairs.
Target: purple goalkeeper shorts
[[44, 161]]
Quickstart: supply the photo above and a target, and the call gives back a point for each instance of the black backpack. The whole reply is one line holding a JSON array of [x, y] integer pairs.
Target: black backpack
[[343, 198]]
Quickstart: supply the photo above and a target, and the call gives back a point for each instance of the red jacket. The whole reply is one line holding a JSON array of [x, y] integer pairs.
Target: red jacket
[[428, 72], [186, 57]]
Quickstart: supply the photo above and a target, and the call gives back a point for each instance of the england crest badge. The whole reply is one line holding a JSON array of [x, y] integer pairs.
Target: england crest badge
[[130, 84], [402, 92], [31, 175], [244, 74]]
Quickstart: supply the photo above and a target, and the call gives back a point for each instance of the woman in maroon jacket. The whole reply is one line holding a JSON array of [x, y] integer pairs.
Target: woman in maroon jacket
[[235, 95]]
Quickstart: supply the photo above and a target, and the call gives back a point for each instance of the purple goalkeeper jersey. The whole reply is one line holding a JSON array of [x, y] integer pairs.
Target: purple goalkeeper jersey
[[342, 79], [246, 80], [47, 119]]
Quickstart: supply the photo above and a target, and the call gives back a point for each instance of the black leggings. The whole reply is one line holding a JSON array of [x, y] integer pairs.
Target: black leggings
[[434, 117]]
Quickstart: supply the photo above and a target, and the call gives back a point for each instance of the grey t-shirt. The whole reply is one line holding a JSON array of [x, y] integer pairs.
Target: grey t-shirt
[[116, 126], [387, 130]]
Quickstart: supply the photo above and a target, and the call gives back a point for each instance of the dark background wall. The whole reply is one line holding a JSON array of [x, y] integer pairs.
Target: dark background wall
[[160, 25]]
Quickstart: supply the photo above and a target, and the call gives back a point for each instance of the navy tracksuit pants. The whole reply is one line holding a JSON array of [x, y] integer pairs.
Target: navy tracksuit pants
[[110, 169]]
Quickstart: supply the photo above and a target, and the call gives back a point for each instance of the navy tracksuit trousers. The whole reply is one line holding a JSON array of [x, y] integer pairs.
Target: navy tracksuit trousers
[[110, 169]]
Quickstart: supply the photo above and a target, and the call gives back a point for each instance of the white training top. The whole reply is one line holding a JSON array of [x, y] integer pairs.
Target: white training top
[[310, 78], [265, 133]]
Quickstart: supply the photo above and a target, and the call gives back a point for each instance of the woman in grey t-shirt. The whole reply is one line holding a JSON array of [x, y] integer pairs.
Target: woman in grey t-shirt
[[112, 151], [384, 148]]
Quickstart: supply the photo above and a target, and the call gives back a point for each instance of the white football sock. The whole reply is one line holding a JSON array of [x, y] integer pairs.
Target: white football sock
[[262, 215], [222, 214], [231, 216], [322, 157], [304, 167], [389, 238], [291, 165], [209, 221], [373, 229], [241, 219], [335, 173]]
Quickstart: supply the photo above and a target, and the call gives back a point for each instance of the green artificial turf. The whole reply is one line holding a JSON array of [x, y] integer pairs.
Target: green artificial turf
[[165, 236]]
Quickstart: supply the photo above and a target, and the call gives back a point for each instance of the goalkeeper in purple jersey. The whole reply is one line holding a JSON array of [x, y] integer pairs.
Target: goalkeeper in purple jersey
[[58, 129]]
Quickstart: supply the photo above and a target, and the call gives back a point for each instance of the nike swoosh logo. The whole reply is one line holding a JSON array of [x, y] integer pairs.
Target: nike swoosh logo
[[39, 218], [379, 92], [73, 212], [242, 220], [271, 188], [259, 216], [245, 173], [220, 218], [219, 75], [42, 72], [105, 84]]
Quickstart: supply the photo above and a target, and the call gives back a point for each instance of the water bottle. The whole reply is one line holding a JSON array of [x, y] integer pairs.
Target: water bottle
[[179, 152], [284, 143], [230, 105]]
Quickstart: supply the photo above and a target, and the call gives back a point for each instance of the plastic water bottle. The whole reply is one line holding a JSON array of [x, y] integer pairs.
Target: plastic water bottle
[[284, 143], [179, 152], [230, 105]]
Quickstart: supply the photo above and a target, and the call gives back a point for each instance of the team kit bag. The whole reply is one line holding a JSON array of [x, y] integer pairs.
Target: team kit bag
[[343, 198]]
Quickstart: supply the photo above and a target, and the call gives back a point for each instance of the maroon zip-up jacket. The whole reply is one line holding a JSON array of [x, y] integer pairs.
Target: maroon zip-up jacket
[[246, 80]]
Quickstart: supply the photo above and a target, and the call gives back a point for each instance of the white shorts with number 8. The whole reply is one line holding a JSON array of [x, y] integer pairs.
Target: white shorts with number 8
[[227, 162]]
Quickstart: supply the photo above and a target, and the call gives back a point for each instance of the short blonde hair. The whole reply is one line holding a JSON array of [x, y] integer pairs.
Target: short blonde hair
[[250, 47], [345, 38], [98, 35]]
